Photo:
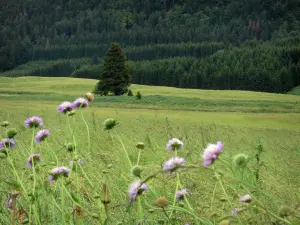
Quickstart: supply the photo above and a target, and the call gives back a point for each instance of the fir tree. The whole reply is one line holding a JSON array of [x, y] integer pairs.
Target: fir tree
[[115, 78]]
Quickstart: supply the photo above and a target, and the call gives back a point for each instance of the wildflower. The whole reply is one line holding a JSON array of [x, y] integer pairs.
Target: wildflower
[[174, 144], [33, 159], [65, 107], [136, 171], [110, 124], [41, 135], [246, 198], [173, 163], [161, 202], [71, 113], [89, 96], [11, 203], [57, 172], [236, 211], [7, 143], [240, 160], [211, 153], [4, 124], [80, 103], [34, 122], [140, 145], [11, 133], [70, 147], [136, 188], [180, 194]]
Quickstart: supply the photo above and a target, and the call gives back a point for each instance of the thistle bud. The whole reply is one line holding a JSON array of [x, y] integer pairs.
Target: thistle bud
[[240, 160], [71, 113], [10, 133], [4, 124], [136, 171], [140, 145], [70, 147], [2, 155], [110, 124], [161, 202], [285, 211]]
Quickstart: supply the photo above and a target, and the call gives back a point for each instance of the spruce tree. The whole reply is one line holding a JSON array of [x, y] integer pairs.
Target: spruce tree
[[115, 78]]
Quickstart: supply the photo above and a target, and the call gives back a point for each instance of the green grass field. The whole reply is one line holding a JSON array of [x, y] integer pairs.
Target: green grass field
[[240, 119]]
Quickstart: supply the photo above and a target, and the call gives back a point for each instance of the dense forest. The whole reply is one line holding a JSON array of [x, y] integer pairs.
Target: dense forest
[[216, 44]]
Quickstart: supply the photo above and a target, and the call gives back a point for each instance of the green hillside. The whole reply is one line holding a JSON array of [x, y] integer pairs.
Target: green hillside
[[220, 44]]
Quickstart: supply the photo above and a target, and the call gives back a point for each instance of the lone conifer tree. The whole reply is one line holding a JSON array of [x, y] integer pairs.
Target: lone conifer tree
[[115, 78]]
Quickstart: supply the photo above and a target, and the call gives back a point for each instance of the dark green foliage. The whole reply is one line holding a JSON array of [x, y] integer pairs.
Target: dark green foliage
[[115, 78], [138, 95], [130, 93]]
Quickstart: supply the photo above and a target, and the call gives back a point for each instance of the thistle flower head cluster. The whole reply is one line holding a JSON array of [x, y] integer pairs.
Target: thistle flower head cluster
[[57, 172], [65, 107], [42, 135], [34, 122], [33, 159], [80, 103], [172, 164], [7, 143], [136, 188], [211, 153], [174, 144], [181, 194]]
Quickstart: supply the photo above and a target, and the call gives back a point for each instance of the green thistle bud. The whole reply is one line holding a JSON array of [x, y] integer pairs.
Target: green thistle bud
[[240, 160], [4, 124], [161, 202], [70, 147], [136, 171], [76, 158], [110, 124], [2, 155], [285, 211], [109, 166], [71, 113], [140, 145], [10, 133]]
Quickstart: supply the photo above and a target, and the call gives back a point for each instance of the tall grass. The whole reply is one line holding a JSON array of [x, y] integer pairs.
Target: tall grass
[[106, 160]]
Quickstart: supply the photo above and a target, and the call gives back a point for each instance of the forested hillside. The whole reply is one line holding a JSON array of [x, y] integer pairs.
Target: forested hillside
[[219, 44]]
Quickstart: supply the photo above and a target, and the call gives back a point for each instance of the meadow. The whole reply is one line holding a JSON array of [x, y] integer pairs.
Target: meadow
[[263, 127]]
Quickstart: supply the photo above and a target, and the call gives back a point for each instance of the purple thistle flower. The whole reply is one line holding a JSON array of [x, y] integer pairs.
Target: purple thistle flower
[[211, 153], [136, 188], [173, 163], [246, 198], [65, 107], [7, 143], [174, 144], [180, 194], [236, 211], [34, 121], [9, 203], [80, 103], [34, 158], [58, 172], [41, 135]]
